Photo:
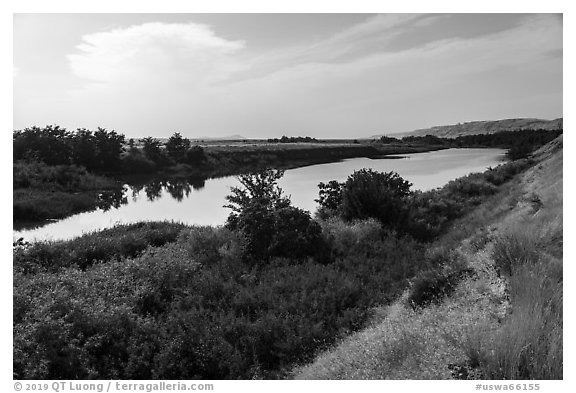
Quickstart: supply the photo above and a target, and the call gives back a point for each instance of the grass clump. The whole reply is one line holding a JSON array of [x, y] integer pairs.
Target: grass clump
[[446, 270]]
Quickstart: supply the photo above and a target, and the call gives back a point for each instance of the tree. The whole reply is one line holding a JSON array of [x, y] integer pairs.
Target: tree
[[84, 150], [50, 144], [110, 146], [272, 226], [151, 148], [329, 198], [371, 194], [177, 146]]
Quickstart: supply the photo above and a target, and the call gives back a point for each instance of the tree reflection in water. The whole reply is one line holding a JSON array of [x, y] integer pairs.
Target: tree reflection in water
[[178, 188], [112, 198]]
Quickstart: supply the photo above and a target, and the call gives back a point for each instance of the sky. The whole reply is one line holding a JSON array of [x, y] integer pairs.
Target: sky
[[268, 75]]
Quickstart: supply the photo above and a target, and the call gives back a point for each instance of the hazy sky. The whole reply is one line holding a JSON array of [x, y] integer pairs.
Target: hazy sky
[[267, 75]]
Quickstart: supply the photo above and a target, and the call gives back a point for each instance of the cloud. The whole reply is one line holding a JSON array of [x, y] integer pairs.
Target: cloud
[[155, 52], [184, 77]]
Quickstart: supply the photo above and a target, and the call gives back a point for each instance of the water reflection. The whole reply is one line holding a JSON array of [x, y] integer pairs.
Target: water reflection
[[177, 188], [198, 201], [112, 198]]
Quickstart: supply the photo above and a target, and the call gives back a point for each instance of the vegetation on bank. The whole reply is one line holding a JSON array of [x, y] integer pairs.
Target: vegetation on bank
[[270, 289], [42, 191], [248, 300], [491, 308], [520, 143], [70, 165]]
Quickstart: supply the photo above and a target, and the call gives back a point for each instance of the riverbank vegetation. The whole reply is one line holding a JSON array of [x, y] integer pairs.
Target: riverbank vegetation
[[271, 289], [42, 191], [92, 161], [491, 308]]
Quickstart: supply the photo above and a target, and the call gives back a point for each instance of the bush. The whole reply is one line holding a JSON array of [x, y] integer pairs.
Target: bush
[[371, 194], [136, 162], [194, 309], [118, 242], [273, 228]]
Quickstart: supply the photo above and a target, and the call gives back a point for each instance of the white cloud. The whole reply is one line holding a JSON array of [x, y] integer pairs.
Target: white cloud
[[155, 52]]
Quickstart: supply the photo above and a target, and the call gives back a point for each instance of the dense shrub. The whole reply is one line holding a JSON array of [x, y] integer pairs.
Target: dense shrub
[[114, 243], [371, 194], [194, 309], [273, 228], [136, 162], [195, 155], [38, 175]]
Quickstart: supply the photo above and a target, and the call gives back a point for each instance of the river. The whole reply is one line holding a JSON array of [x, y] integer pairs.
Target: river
[[201, 202]]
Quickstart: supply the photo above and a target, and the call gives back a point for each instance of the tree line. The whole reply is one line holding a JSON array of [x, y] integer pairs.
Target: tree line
[[520, 142], [102, 151]]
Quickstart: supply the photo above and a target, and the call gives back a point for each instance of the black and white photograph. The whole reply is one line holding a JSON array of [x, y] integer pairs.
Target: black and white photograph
[[286, 196]]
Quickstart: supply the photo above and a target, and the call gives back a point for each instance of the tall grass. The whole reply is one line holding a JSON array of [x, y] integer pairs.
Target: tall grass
[[529, 343]]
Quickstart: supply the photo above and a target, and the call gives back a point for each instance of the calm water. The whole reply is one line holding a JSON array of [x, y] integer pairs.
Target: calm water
[[200, 202]]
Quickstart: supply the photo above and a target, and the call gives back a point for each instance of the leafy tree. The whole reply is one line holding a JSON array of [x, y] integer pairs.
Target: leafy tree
[[152, 151], [329, 198], [258, 188], [50, 144], [177, 146], [272, 226], [84, 151], [110, 146], [371, 194]]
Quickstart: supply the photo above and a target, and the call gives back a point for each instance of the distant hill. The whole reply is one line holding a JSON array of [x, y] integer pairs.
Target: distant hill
[[483, 127]]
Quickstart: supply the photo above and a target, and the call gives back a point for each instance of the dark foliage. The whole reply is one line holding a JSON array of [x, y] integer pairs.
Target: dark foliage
[[522, 140], [293, 139], [114, 243], [371, 194], [388, 139], [272, 226], [177, 147], [153, 151], [96, 151], [194, 309]]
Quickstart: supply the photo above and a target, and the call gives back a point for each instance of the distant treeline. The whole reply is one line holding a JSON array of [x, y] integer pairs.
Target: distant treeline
[[520, 142], [102, 151], [293, 139]]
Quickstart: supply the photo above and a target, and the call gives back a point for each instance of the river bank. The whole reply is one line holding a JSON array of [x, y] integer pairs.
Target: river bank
[[43, 193], [193, 303]]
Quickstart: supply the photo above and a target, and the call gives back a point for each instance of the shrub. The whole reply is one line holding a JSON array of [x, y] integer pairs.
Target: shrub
[[273, 228], [113, 243], [136, 162], [357, 237], [371, 194]]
